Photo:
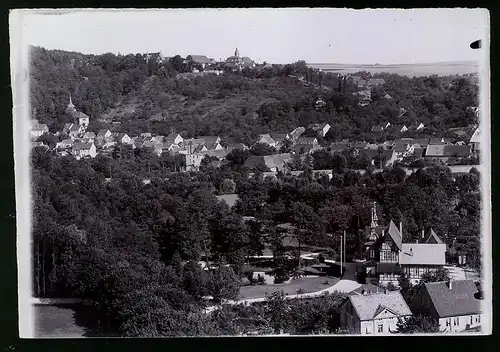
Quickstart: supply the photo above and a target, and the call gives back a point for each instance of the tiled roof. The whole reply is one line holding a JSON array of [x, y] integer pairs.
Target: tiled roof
[[393, 232], [209, 140], [422, 254], [422, 141], [368, 306], [457, 301]]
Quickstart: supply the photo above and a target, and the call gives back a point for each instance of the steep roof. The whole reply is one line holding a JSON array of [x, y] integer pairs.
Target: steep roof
[[433, 238], [459, 300], [476, 136], [369, 306], [422, 254], [394, 233]]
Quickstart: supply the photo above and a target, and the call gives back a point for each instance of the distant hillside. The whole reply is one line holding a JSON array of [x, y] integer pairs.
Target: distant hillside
[[134, 94], [410, 70]]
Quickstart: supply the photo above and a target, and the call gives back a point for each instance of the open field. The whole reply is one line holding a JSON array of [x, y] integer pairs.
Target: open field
[[311, 284], [410, 70]]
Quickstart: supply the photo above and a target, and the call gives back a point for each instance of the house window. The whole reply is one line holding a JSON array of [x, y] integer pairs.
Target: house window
[[448, 322], [478, 319], [380, 327], [456, 321], [471, 322]]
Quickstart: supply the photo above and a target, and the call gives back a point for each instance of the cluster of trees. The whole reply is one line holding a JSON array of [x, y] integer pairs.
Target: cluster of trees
[[145, 95], [101, 233]]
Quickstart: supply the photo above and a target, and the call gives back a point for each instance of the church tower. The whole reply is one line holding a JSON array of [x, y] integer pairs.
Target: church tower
[[71, 107], [236, 53]]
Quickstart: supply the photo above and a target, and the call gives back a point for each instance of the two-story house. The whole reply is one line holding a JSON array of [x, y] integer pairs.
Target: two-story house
[[453, 304], [375, 313], [388, 256]]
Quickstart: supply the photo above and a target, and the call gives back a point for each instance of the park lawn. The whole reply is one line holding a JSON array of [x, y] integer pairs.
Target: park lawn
[[308, 285]]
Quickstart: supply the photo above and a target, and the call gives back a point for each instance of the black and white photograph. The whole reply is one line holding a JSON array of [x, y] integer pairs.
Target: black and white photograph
[[252, 172]]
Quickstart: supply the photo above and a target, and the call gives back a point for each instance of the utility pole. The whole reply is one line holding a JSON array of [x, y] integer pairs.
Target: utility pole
[[341, 256]]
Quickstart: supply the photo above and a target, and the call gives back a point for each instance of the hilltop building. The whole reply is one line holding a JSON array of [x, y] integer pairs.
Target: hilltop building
[[237, 62], [80, 118]]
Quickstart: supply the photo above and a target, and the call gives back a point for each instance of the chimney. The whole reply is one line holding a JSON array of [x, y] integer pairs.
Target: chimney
[[401, 228]]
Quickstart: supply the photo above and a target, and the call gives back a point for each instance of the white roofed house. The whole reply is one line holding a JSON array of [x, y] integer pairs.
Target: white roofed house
[[279, 138], [374, 313], [82, 150]]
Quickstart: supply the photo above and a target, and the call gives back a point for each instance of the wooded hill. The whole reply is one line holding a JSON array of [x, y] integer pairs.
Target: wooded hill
[[144, 95]]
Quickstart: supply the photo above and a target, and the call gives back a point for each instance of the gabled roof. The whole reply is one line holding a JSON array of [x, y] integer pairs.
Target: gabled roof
[[338, 146], [422, 254], [394, 233], [401, 145], [102, 132], [296, 133], [171, 136], [368, 306], [457, 301], [74, 128], [266, 138], [239, 146], [209, 140], [433, 238], [476, 136]]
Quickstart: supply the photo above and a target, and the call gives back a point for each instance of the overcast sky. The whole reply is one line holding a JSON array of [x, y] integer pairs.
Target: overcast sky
[[277, 36]]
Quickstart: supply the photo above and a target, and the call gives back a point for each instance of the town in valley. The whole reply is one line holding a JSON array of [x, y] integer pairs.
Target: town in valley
[[183, 195]]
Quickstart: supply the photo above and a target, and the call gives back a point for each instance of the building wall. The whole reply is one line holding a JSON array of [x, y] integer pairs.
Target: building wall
[[460, 323], [379, 326]]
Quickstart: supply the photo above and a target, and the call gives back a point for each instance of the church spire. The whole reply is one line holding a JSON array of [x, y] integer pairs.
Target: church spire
[[374, 215], [236, 53]]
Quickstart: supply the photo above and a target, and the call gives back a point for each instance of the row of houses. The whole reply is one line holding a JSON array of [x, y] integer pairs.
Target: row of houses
[[388, 127]]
